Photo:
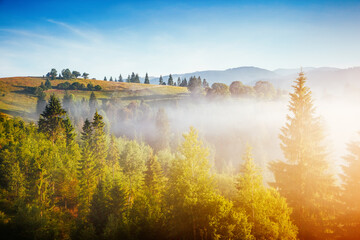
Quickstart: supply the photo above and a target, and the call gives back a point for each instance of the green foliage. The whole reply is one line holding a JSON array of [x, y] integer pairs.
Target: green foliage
[[66, 73], [52, 74], [85, 75], [76, 74], [51, 121], [196, 210], [238, 89], [267, 211]]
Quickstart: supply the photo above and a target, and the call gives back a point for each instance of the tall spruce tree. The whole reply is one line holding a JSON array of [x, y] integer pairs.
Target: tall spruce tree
[[147, 81], [120, 78], [304, 178], [161, 81], [87, 173], [99, 145]]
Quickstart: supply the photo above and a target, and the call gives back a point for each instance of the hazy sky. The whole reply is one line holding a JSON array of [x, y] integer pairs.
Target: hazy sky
[[160, 37]]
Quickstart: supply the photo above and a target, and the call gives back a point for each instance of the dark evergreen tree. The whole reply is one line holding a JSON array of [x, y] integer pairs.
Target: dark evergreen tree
[[137, 79], [179, 81], [146, 81], [69, 131], [111, 79], [47, 84], [51, 121], [161, 81], [99, 210], [132, 78], [184, 83], [170, 80], [105, 79], [128, 79], [120, 78], [195, 85]]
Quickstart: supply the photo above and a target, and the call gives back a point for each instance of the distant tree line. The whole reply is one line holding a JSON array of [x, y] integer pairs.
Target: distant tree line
[[78, 86], [65, 74], [196, 85]]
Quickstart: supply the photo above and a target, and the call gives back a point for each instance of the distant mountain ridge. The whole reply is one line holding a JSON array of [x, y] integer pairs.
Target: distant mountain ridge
[[324, 78]]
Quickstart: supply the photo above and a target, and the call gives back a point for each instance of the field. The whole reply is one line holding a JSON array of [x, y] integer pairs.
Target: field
[[15, 100]]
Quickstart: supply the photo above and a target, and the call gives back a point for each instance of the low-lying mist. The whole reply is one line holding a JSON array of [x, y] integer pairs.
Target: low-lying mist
[[226, 125]]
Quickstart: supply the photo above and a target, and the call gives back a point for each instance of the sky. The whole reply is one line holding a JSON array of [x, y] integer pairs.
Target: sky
[[108, 38]]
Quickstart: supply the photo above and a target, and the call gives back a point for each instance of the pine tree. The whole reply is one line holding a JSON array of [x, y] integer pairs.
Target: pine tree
[[69, 131], [99, 209], [161, 81], [120, 78], [86, 171], [128, 79], [111, 79], [303, 179], [51, 121], [105, 79], [170, 80], [137, 79], [99, 146], [179, 81], [147, 81], [132, 78]]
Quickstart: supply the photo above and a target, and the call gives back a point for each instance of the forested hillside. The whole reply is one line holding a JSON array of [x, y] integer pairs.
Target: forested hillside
[[89, 171]]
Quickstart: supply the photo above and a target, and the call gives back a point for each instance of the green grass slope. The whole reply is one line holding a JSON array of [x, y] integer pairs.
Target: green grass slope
[[16, 101]]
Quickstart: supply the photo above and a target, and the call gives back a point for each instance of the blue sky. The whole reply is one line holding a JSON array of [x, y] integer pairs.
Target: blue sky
[[161, 37]]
